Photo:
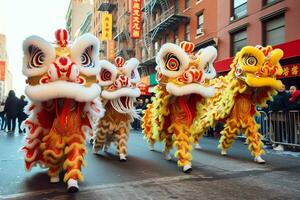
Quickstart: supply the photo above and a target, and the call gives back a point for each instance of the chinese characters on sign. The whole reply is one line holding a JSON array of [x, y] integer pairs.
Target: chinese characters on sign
[[106, 26], [135, 19], [110, 50], [290, 71]]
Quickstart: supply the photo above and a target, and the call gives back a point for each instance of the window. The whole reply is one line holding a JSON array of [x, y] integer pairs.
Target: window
[[199, 24], [274, 31], [187, 32], [187, 4], [239, 8], [238, 41], [267, 2]]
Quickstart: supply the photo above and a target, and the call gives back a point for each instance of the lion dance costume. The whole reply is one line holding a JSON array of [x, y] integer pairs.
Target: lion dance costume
[[118, 95], [182, 78], [63, 89], [250, 83]]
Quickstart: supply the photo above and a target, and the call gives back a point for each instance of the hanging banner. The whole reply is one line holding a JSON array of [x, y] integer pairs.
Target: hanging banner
[[110, 50], [135, 19], [106, 26], [290, 71], [2, 70]]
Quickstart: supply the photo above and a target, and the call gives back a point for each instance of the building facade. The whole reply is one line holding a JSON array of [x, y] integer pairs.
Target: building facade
[[227, 24], [260, 22], [5, 74], [99, 7], [77, 13]]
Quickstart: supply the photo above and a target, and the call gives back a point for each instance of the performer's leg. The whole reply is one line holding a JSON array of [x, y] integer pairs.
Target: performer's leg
[[254, 141], [121, 141], [75, 152], [229, 134], [183, 142], [100, 137], [52, 147], [168, 146]]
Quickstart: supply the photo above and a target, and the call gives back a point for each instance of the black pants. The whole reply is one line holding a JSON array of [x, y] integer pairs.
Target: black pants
[[11, 123], [3, 121]]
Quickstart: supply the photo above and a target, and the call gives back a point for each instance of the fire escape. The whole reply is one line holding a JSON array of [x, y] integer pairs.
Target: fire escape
[[124, 43], [169, 19]]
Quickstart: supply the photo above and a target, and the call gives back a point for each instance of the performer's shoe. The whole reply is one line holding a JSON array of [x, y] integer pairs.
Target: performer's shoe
[[91, 141], [224, 152], [95, 150], [167, 155], [54, 179], [72, 185], [122, 157], [151, 147], [198, 146], [187, 168], [259, 160], [106, 147]]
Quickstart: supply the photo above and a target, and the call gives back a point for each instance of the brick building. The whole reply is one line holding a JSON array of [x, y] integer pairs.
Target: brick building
[[260, 22], [226, 24]]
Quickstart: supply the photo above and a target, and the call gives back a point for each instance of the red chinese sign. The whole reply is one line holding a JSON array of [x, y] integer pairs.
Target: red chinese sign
[[135, 19], [2, 70], [290, 70]]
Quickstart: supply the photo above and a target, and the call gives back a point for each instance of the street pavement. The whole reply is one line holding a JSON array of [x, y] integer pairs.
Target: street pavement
[[146, 175]]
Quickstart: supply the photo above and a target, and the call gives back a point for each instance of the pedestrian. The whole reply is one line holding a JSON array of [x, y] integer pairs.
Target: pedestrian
[[2, 116], [138, 106], [294, 99], [21, 114], [11, 111]]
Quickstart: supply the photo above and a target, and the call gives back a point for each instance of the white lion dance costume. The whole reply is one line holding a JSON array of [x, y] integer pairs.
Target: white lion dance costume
[[63, 89], [182, 77], [118, 95]]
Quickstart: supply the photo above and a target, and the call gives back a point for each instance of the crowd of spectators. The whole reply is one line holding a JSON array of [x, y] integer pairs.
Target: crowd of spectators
[[140, 106], [11, 110]]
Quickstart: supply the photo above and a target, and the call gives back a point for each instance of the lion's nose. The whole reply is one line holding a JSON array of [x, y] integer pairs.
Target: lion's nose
[[122, 81]]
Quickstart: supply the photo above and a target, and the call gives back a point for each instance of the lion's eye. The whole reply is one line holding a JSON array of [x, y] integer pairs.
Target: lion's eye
[[249, 60], [86, 60], [172, 63], [37, 57]]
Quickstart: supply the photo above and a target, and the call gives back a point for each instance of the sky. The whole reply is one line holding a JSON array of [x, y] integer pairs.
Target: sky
[[20, 19]]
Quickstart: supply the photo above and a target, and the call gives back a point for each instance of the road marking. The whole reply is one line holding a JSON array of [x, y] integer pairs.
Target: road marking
[[106, 186]]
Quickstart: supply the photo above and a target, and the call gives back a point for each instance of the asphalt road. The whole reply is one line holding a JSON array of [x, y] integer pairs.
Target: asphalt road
[[146, 175]]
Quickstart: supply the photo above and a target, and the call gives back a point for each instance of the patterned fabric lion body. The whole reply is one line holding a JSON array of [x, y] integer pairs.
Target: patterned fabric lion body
[[182, 78], [250, 83], [64, 95], [119, 93]]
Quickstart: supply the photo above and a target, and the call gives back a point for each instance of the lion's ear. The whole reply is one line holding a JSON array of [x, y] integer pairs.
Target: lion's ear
[[38, 55]]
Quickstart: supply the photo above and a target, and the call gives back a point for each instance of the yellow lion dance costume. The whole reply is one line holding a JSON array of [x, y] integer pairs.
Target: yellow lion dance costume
[[182, 78], [118, 95], [64, 94], [251, 82]]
